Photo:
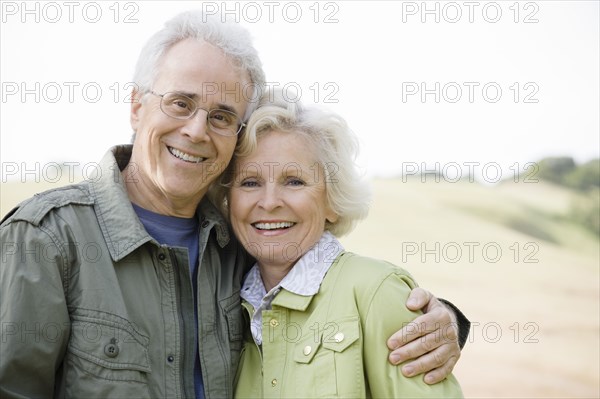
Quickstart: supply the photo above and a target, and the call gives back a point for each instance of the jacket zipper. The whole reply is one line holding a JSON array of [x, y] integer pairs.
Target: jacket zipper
[[181, 321]]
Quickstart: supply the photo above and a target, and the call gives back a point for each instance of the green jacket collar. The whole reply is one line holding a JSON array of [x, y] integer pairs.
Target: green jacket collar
[[120, 226], [288, 299]]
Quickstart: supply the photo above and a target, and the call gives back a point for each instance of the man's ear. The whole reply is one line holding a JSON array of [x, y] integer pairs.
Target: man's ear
[[136, 105]]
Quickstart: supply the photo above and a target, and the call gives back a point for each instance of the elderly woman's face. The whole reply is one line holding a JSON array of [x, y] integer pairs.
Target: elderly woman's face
[[278, 203]]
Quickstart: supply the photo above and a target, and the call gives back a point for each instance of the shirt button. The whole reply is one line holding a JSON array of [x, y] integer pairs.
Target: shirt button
[[274, 323], [205, 224], [307, 350], [170, 358], [339, 337], [162, 256], [111, 349], [273, 382]]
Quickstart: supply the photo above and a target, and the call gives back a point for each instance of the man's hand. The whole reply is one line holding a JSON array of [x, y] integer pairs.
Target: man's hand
[[431, 340]]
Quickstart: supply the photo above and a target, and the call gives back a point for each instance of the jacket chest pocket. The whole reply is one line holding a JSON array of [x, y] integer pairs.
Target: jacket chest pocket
[[329, 361], [106, 357]]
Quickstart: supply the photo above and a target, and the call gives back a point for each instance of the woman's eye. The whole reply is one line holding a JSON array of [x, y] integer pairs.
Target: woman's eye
[[249, 183], [295, 182]]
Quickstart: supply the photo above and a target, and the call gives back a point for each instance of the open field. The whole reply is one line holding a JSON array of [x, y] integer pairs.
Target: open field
[[507, 256], [534, 305]]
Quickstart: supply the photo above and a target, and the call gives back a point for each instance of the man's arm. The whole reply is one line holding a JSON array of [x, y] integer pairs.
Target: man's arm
[[33, 312], [433, 340]]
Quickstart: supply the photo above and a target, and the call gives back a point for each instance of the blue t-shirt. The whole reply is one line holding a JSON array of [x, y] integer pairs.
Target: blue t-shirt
[[184, 233]]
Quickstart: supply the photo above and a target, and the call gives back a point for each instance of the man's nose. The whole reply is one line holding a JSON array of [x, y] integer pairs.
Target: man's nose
[[196, 128]]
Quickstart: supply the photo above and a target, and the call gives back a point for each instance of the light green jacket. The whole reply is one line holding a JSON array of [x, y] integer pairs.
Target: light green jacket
[[333, 344], [91, 306]]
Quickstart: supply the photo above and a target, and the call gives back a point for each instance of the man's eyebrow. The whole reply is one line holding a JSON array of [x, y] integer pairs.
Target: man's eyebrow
[[227, 108], [195, 97]]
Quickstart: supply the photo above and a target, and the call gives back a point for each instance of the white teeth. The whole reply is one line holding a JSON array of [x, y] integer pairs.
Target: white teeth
[[185, 157], [273, 226]]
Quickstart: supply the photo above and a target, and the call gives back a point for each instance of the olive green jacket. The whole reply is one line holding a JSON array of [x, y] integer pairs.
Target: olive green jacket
[[91, 306], [333, 344]]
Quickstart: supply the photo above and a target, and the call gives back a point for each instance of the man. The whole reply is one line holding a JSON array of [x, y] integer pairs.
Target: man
[[128, 285]]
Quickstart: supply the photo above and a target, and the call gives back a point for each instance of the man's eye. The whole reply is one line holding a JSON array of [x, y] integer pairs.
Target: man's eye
[[222, 118], [181, 104]]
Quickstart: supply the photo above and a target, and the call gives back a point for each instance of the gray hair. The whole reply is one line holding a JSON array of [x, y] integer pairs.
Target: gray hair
[[336, 149], [233, 39]]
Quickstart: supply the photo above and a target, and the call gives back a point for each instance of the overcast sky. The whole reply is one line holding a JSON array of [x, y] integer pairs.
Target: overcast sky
[[469, 83]]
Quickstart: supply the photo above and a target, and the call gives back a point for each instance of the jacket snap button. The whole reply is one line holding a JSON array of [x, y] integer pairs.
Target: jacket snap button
[[307, 350], [205, 224], [274, 382], [162, 256], [274, 323], [170, 359], [339, 337], [111, 349]]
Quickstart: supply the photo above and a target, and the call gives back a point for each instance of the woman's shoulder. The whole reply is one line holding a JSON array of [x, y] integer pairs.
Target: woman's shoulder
[[367, 275], [368, 267], [363, 286]]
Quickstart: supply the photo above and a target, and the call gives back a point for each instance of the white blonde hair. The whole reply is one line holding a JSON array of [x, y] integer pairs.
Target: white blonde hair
[[336, 149]]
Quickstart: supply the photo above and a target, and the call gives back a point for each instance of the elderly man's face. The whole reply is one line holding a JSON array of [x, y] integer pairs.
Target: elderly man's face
[[174, 161]]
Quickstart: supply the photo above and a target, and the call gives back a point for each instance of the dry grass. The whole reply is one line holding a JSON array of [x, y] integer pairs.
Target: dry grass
[[535, 312]]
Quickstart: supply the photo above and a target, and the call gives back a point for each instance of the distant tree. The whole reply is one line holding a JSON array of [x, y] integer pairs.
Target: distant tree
[[564, 171], [584, 177], [555, 169]]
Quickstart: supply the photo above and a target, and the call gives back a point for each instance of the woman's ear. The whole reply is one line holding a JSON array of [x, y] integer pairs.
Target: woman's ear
[[331, 216]]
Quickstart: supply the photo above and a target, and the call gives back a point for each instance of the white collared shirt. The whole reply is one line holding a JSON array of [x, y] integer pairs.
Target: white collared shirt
[[304, 279]]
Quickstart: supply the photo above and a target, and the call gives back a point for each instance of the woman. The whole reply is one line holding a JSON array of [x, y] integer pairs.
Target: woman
[[319, 315]]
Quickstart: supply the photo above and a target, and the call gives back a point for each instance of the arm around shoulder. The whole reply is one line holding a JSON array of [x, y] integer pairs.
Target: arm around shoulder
[[464, 325]]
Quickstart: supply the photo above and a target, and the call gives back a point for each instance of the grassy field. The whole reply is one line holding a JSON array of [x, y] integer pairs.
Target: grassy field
[[508, 256]]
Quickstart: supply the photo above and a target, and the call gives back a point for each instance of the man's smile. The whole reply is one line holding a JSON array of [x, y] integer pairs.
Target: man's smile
[[184, 156]]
